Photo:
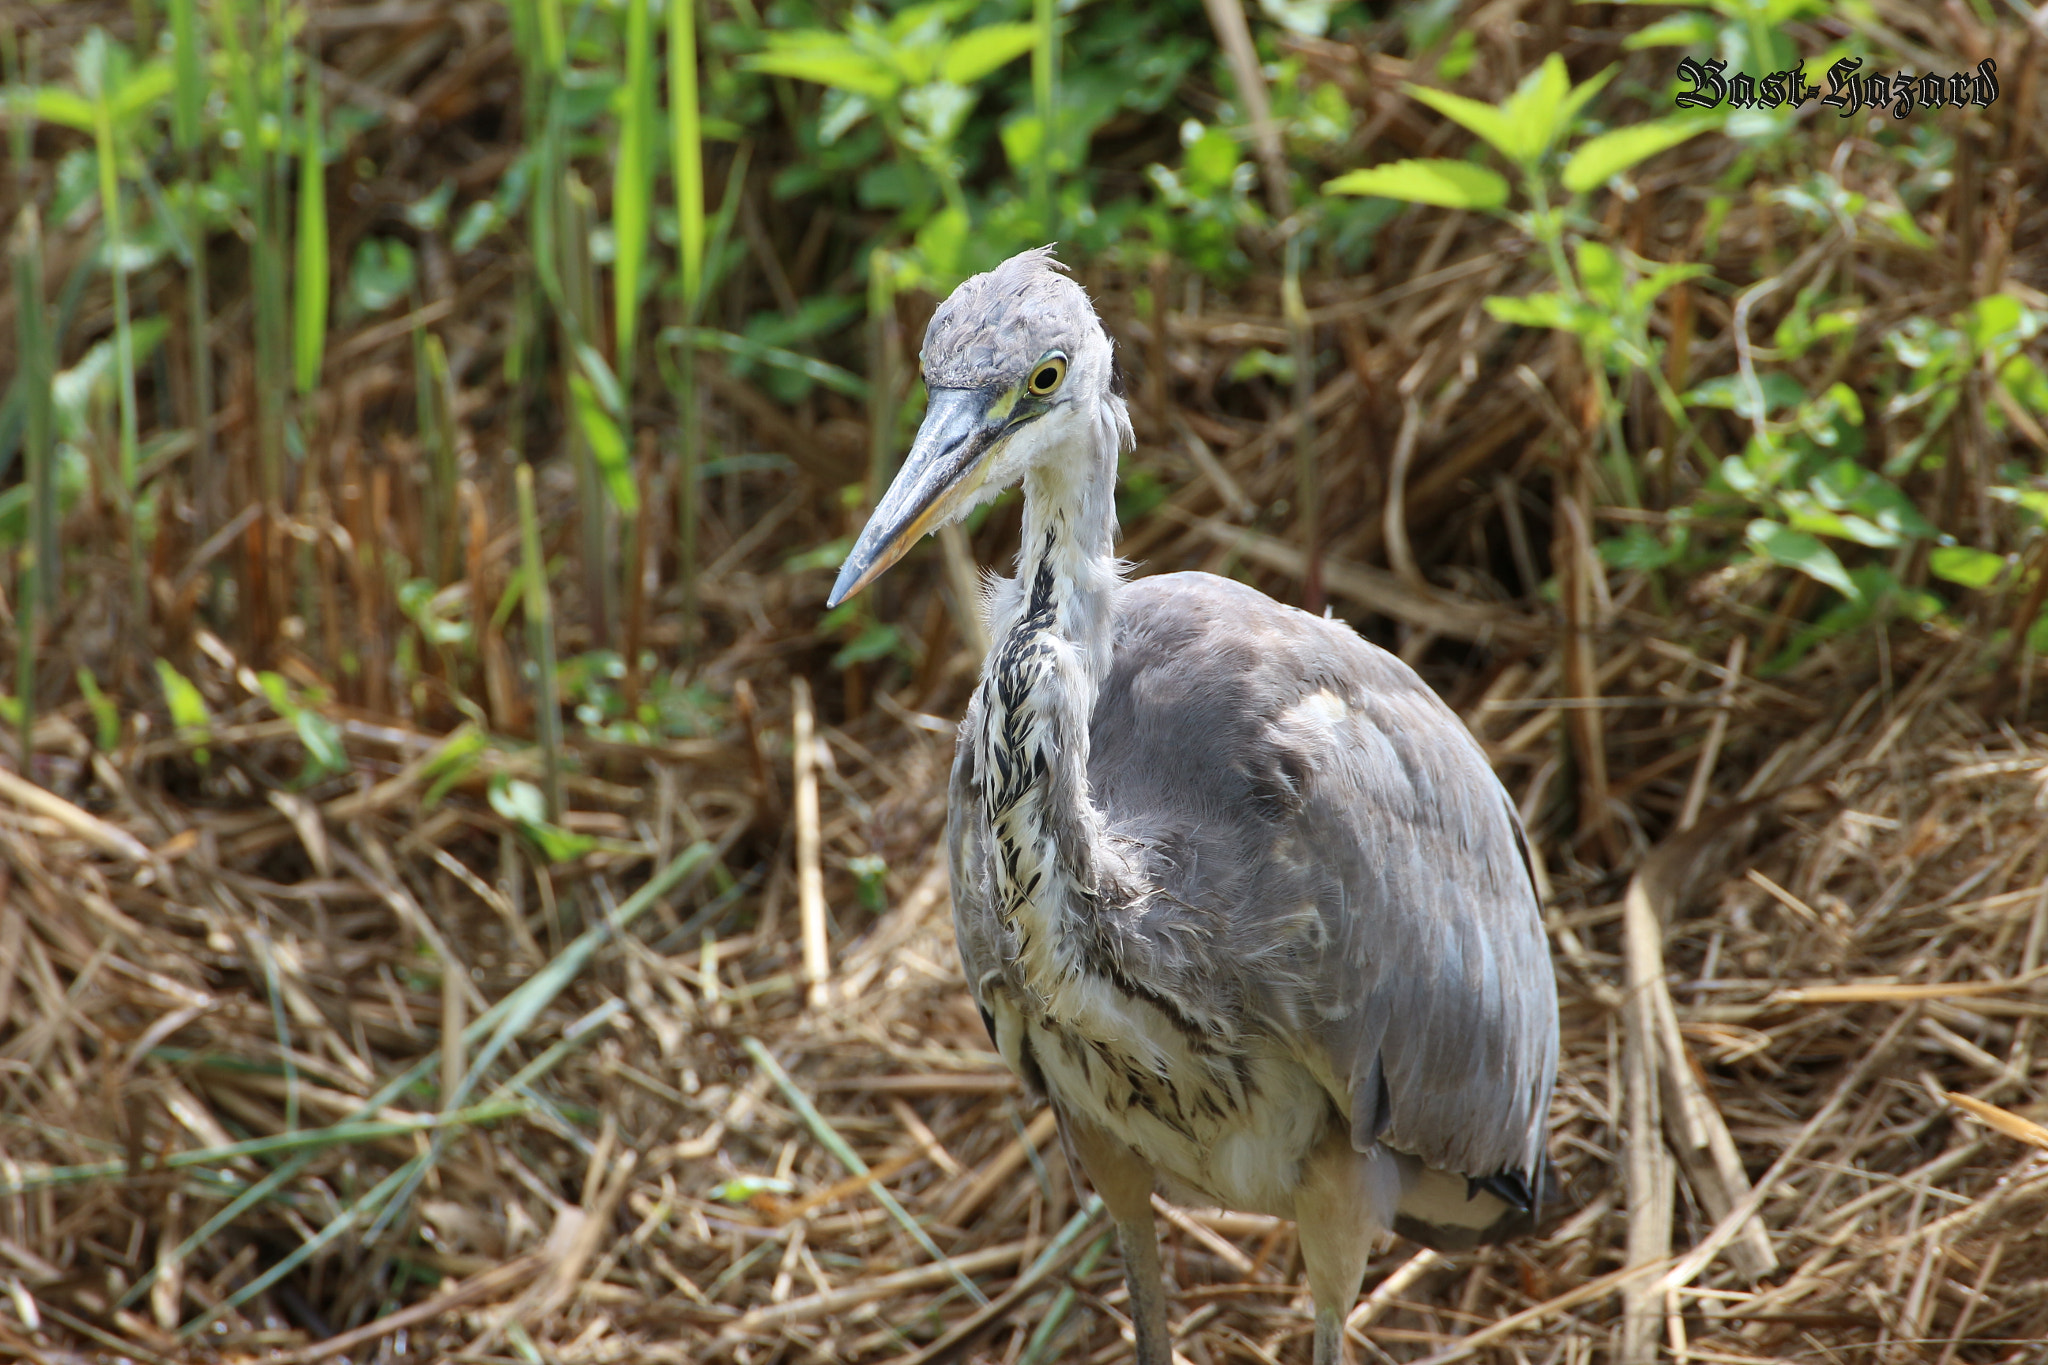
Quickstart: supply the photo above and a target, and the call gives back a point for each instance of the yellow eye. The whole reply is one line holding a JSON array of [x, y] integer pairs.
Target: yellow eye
[[1048, 375]]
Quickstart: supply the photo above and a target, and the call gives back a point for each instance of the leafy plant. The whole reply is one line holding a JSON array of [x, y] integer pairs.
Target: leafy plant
[[915, 76], [1601, 297]]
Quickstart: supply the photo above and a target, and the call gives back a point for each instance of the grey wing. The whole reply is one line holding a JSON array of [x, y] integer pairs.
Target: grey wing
[[1331, 836]]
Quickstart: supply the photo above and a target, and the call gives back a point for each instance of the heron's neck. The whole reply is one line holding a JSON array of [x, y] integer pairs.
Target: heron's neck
[[1052, 631]]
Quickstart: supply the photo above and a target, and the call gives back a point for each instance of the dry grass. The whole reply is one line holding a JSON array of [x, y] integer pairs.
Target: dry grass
[[1801, 922]]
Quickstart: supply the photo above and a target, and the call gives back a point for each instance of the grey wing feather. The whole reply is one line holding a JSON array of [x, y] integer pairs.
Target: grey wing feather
[[1332, 864]]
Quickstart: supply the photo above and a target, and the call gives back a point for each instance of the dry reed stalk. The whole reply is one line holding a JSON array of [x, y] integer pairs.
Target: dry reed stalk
[[810, 882]]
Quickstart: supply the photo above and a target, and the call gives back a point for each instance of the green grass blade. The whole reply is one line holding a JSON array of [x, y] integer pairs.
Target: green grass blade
[[36, 350], [188, 62], [1045, 57], [526, 1002], [686, 150], [309, 310], [829, 1138], [279, 1144], [633, 183]]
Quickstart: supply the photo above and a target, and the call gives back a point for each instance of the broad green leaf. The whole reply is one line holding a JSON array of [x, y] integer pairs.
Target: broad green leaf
[[1488, 122], [1600, 159], [1966, 567], [607, 444], [1781, 544], [1447, 184], [1536, 111], [840, 67], [1210, 162], [2033, 501], [974, 55], [1807, 513]]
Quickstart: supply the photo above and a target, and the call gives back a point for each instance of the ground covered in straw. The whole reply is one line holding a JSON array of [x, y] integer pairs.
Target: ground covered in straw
[[358, 1069]]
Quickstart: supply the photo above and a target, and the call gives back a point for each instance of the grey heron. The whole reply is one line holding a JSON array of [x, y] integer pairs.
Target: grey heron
[[1233, 888]]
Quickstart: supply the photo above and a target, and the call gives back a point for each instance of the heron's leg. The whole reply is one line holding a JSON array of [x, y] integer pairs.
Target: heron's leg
[[1124, 1180], [1344, 1202]]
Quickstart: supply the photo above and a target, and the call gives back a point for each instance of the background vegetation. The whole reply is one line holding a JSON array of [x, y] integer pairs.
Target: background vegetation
[[461, 894]]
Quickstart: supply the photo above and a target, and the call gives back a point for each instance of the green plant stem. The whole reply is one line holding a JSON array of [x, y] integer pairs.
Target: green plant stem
[[1045, 57], [115, 243], [540, 635]]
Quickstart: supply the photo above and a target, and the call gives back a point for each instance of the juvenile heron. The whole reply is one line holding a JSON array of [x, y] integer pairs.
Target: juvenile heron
[[1233, 888]]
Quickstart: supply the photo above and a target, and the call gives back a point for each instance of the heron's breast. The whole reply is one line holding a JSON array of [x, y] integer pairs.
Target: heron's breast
[[1228, 1128]]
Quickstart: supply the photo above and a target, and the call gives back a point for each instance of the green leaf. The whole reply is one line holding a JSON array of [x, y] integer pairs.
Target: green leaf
[[1447, 184], [1649, 289], [1210, 162], [142, 90], [1600, 273], [1550, 309], [1488, 122], [1536, 111], [742, 1188], [187, 705], [522, 803], [840, 67], [607, 444], [54, 105], [1808, 514], [381, 273], [1780, 390], [106, 717], [1599, 159], [1677, 30], [1781, 544], [941, 242], [452, 761], [1966, 567], [974, 55], [877, 640], [320, 736]]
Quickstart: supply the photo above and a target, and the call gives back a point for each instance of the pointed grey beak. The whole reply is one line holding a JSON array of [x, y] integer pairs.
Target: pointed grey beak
[[944, 467]]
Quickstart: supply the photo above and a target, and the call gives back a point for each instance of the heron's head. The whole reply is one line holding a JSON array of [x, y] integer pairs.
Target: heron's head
[[1019, 372]]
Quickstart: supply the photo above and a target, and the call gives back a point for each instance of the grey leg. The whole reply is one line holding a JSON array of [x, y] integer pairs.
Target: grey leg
[[1124, 1181], [1345, 1201]]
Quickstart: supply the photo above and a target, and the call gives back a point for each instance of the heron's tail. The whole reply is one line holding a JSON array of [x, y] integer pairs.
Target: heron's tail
[[1449, 1212]]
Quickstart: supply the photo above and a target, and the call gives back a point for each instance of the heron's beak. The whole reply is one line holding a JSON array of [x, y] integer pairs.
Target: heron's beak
[[945, 465]]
